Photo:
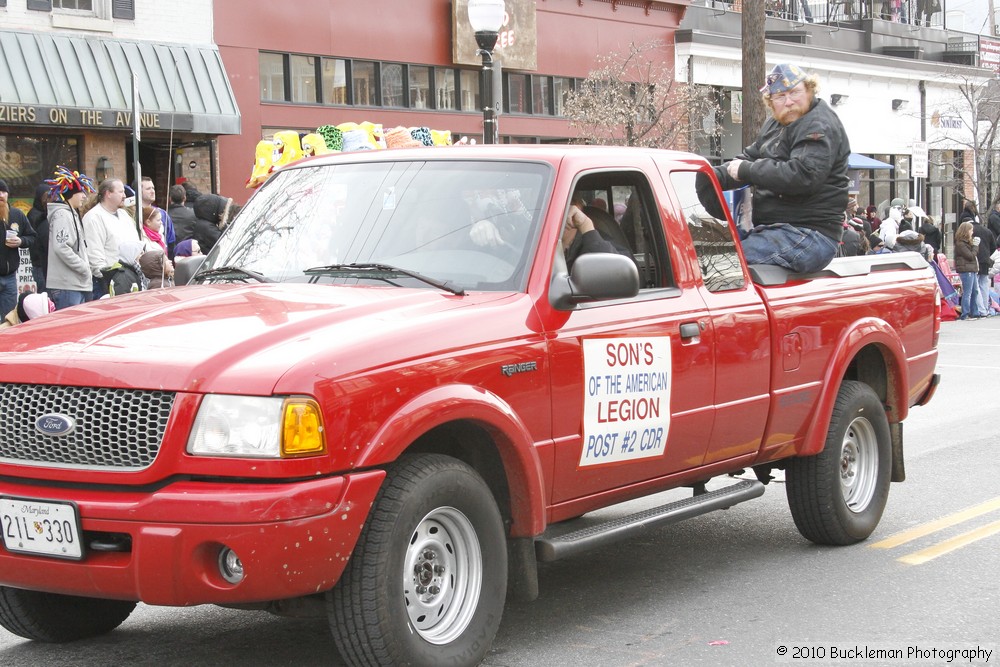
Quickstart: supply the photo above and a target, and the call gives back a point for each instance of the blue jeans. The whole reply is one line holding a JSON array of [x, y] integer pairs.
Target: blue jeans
[[100, 289], [8, 293], [64, 298], [970, 295], [984, 295], [39, 275], [797, 248]]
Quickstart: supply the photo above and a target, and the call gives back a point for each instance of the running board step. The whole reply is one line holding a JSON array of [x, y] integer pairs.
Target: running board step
[[599, 535]]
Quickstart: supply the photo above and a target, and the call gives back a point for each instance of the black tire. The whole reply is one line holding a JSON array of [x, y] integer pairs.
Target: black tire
[[837, 497], [48, 617], [431, 512]]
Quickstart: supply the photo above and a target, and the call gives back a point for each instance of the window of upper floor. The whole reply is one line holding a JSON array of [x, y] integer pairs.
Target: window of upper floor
[[85, 14], [327, 80]]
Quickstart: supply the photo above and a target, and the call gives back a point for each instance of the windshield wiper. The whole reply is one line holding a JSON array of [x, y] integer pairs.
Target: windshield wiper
[[387, 268], [230, 270]]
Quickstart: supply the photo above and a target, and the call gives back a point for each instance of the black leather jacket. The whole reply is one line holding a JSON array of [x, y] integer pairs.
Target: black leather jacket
[[10, 258], [798, 172]]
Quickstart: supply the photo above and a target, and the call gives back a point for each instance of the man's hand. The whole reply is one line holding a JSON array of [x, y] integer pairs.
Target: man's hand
[[579, 221], [485, 233], [734, 169]]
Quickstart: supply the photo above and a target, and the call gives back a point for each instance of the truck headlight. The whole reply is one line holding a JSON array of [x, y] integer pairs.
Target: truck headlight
[[257, 427]]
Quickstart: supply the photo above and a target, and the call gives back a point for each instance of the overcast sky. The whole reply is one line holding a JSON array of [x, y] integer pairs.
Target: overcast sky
[[969, 15]]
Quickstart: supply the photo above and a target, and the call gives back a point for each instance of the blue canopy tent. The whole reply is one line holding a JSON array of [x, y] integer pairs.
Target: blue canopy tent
[[856, 161]]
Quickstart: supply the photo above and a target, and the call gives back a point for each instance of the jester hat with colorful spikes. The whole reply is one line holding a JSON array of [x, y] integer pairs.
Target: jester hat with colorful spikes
[[66, 183]]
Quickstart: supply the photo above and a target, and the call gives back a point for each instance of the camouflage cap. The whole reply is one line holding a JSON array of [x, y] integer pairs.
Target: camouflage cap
[[783, 77]]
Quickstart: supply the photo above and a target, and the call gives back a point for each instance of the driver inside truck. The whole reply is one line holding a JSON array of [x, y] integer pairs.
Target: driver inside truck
[[590, 229]]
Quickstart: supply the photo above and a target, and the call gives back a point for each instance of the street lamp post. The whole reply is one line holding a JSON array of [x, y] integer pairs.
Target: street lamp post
[[486, 17]]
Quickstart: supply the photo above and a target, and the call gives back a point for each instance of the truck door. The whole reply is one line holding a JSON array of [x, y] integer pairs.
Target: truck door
[[739, 322], [633, 379]]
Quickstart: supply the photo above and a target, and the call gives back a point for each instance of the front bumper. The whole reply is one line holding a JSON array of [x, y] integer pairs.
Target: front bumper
[[293, 539]]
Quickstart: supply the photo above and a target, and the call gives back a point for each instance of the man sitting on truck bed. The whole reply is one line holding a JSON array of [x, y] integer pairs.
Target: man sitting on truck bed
[[798, 170]]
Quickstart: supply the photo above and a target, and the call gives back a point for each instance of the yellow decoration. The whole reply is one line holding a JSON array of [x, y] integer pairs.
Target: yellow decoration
[[314, 144], [262, 164], [441, 137], [286, 148]]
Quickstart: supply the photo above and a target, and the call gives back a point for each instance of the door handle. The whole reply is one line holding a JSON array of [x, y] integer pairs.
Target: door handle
[[690, 330]]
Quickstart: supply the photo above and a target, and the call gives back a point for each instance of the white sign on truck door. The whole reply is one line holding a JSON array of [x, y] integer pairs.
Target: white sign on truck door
[[626, 410]]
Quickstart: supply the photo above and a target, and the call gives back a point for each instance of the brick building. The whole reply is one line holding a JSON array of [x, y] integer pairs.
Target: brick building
[[317, 62]]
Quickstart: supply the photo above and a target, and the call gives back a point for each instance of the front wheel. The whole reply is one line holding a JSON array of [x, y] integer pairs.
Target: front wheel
[[427, 582], [837, 496], [49, 617]]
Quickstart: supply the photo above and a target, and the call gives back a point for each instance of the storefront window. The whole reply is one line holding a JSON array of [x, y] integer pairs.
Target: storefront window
[[540, 99], [420, 87], [444, 88], [992, 177], [392, 85], [882, 190], [943, 202], [364, 81], [272, 77], [561, 87], [469, 82], [303, 71], [334, 73], [901, 176], [517, 95], [27, 160]]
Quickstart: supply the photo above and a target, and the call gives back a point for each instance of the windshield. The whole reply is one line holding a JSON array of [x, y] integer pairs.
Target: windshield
[[471, 225]]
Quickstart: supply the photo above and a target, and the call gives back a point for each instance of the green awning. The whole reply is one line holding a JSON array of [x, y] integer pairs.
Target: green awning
[[61, 79]]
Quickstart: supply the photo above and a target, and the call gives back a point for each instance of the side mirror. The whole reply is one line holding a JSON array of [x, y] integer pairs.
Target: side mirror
[[185, 269], [595, 276]]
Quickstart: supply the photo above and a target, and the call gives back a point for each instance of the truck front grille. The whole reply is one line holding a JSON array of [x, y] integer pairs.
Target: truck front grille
[[118, 429]]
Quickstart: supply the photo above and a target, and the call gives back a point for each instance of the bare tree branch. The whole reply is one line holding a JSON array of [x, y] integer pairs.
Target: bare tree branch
[[631, 98], [977, 106]]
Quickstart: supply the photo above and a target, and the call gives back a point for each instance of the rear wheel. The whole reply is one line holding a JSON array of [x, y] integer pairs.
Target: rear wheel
[[49, 617], [427, 582], [837, 496]]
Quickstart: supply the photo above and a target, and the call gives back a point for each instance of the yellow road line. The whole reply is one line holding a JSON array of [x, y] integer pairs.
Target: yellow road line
[[933, 526], [940, 549]]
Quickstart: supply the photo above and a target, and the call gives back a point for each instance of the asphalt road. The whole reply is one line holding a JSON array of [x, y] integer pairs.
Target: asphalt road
[[735, 587]]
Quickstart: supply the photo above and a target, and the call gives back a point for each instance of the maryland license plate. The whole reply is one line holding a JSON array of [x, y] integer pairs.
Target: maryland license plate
[[39, 527]]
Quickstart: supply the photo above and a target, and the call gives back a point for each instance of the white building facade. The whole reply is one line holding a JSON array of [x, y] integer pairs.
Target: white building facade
[[893, 97]]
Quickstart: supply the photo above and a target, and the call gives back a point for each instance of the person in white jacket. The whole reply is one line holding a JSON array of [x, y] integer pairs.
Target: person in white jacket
[[69, 276], [106, 226], [890, 224]]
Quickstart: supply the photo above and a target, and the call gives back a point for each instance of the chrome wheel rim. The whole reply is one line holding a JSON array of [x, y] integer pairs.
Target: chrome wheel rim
[[859, 465], [442, 575]]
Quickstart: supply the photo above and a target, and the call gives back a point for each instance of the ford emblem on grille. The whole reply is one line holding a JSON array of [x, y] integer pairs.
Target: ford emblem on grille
[[55, 424]]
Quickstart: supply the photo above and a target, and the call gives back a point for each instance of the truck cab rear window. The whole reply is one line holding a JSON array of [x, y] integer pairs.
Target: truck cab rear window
[[720, 265]]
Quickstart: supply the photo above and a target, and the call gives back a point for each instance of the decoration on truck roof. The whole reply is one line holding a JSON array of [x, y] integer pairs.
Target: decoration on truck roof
[[262, 164], [313, 144], [288, 146]]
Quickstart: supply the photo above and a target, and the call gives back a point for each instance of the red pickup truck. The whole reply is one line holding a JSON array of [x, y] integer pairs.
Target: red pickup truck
[[390, 389]]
